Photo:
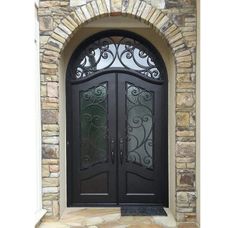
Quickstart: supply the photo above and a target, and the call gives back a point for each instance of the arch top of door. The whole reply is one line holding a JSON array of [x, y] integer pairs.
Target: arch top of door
[[116, 50], [139, 10]]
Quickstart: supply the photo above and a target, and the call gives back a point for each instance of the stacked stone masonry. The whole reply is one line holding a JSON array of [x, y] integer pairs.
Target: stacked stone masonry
[[175, 21]]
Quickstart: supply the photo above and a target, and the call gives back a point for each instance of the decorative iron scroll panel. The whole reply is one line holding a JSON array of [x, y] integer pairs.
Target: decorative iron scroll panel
[[117, 51], [93, 114], [139, 107]]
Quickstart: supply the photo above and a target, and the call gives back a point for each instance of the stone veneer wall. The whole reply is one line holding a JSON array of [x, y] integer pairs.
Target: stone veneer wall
[[175, 20]]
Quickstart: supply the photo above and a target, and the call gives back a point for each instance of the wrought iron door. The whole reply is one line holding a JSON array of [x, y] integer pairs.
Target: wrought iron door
[[140, 135], [116, 124]]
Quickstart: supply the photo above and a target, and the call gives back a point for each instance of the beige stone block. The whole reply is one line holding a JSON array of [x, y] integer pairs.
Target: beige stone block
[[45, 23], [184, 77], [186, 149], [162, 22], [186, 58], [190, 33], [90, 10], [182, 197], [185, 159], [130, 6], [54, 168], [52, 89], [72, 21], [75, 18], [54, 174], [186, 85], [49, 65], [65, 29], [185, 209], [182, 53], [55, 43], [186, 179], [50, 189], [51, 53], [80, 15], [186, 100], [151, 13], [58, 37], [49, 71], [86, 13], [51, 78], [43, 90], [50, 140], [170, 30], [178, 43], [175, 38], [160, 17], [184, 64], [135, 7], [55, 208], [190, 19], [46, 203], [180, 165], [49, 105], [50, 151], [146, 12], [173, 33], [154, 16], [191, 165], [51, 47], [49, 116], [116, 6], [50, 196], [181, 46], [50, 133], [185, 133], [50, 127], [182, 119], [50, 182], [48, 4], [77, 2], [141, 9], [49, 59], [100, 7], [107, 5], [124, 6], [50, 161], [95, 8], [181, 70], [68, 24], [45, 171]]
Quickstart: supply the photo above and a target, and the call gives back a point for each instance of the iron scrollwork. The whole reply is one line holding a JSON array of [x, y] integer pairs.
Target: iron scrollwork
[[116, 51], [139, 108], [93, 113]]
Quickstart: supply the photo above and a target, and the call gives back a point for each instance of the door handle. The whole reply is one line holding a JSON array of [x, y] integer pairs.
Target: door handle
[[121, 149], [112, 150]]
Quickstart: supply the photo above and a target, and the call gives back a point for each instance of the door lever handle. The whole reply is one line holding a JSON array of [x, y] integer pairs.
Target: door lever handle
[[121, 149], [112, 150]]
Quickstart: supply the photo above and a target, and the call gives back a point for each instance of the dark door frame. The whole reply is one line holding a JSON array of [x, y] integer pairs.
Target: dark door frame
[[164, 139]]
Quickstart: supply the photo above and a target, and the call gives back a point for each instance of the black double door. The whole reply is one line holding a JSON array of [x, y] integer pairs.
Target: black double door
[[117, 147]]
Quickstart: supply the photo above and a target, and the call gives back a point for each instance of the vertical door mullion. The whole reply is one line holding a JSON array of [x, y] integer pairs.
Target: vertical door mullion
[[112, 135], [121, 135]]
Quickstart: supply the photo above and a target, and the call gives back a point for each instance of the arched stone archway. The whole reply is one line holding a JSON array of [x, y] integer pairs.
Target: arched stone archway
[[68, 25]]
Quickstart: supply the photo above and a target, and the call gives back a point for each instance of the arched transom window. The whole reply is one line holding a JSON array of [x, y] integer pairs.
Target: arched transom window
[[117, 50]]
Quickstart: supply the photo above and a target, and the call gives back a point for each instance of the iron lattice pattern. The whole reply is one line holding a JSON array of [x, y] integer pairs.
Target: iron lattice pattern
[[116, 51]]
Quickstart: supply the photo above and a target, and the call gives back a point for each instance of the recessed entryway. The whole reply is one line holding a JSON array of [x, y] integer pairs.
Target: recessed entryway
[[117, 122]]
